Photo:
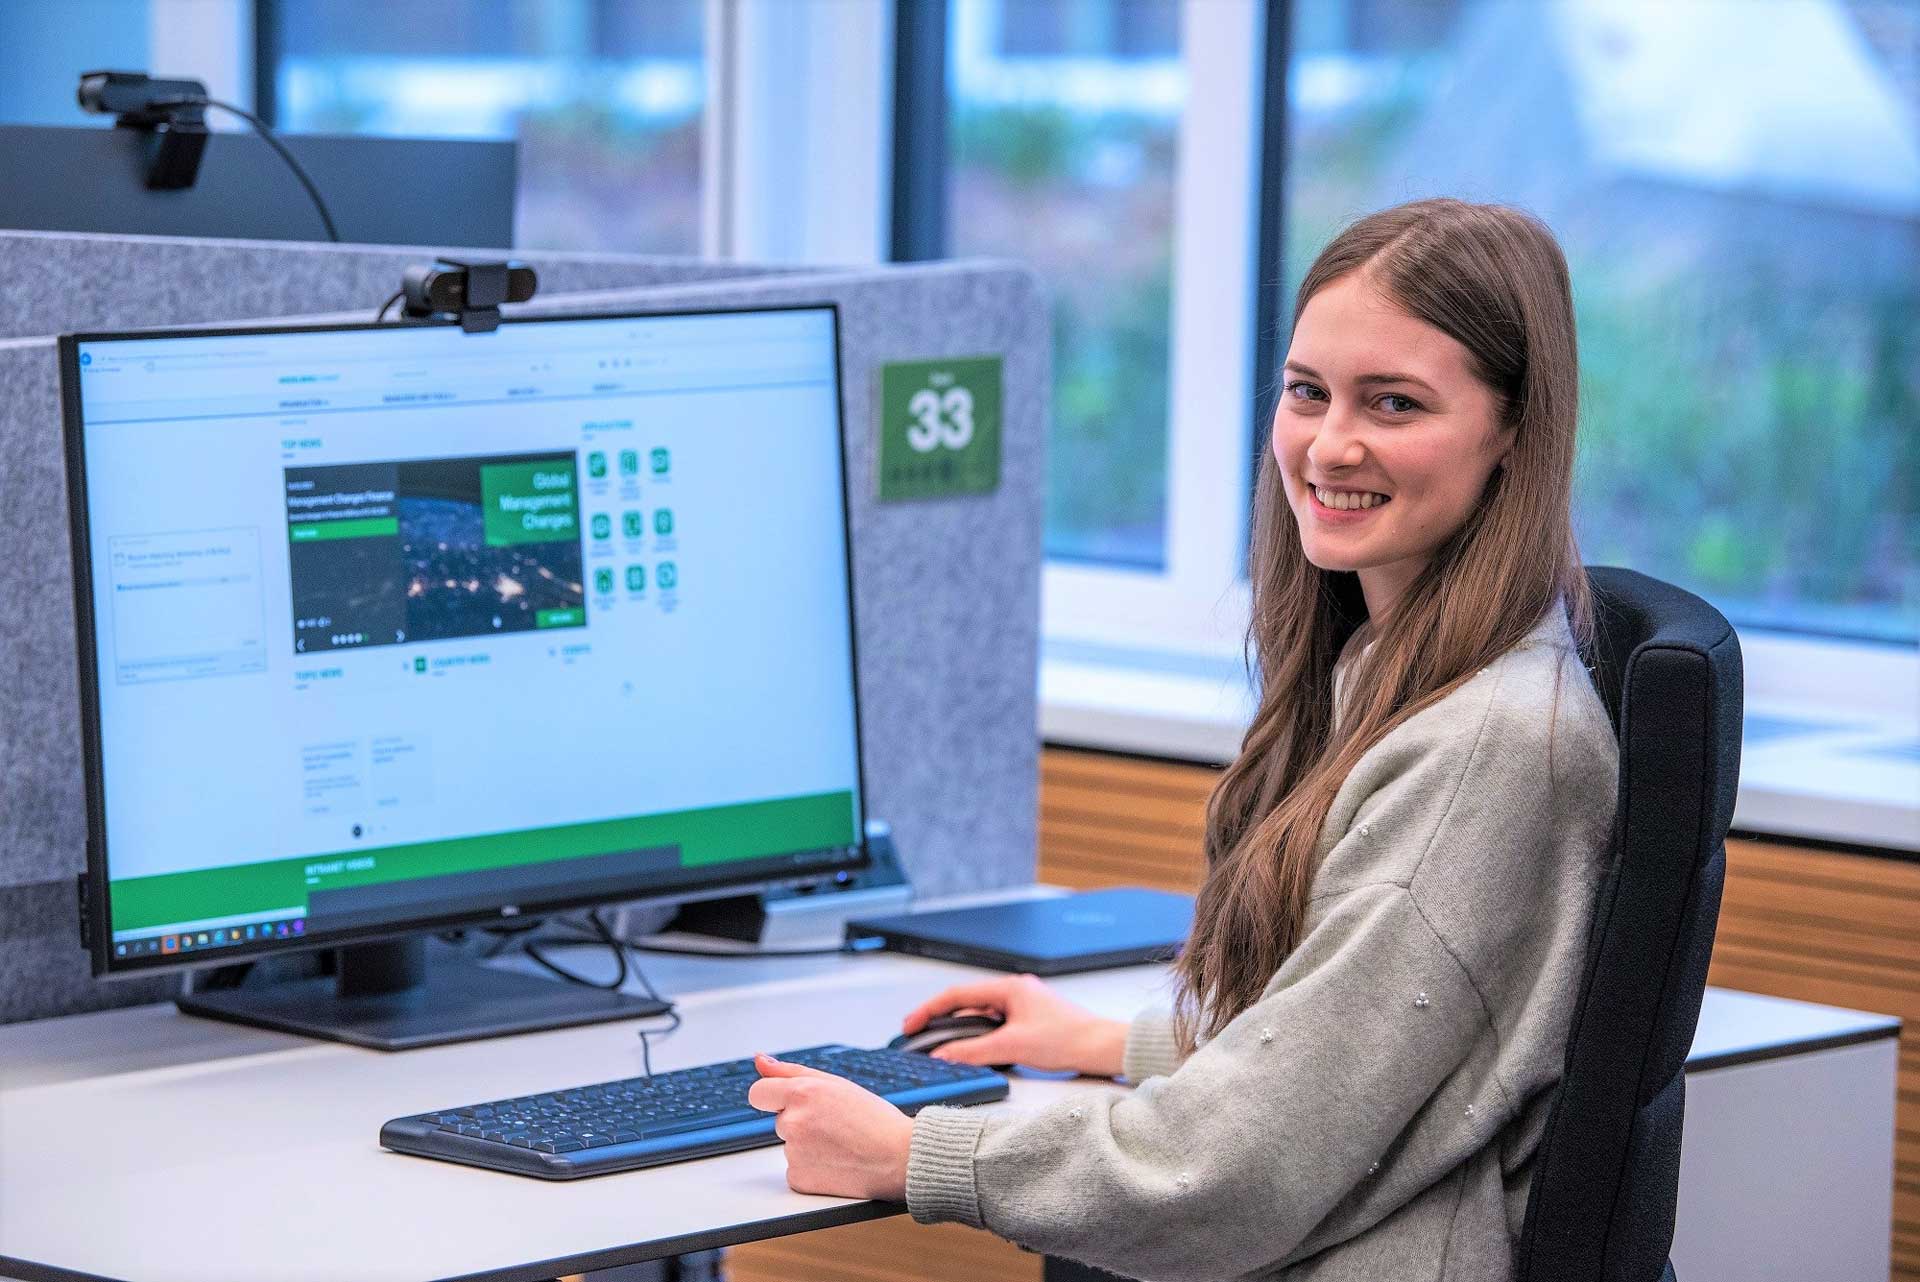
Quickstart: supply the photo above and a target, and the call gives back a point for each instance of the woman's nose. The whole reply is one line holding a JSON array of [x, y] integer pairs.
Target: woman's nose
[[1333, 446]]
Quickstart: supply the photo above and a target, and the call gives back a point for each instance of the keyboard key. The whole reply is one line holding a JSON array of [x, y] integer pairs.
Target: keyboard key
[[700, 1121]]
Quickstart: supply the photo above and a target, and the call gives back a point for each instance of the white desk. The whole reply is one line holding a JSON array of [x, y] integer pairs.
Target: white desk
[[145, 1144]]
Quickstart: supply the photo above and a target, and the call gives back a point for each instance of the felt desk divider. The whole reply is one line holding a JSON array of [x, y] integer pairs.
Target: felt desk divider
[[946, 598], [68, 283]]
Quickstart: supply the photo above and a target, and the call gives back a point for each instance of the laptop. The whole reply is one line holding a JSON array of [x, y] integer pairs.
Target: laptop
[[1091, 930]]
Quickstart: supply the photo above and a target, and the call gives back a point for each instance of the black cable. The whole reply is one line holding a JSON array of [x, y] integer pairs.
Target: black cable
[[272, 140], [532, 949], [620, 948], [647, 1034], [396, 296]]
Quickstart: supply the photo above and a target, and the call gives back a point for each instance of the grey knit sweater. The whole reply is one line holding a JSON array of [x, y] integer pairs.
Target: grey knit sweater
[[1374, 1115]]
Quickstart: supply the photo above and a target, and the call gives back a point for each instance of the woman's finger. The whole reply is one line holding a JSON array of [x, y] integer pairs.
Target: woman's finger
[[768, 1066], [988, 1048], [990, 993], [769, 1094]]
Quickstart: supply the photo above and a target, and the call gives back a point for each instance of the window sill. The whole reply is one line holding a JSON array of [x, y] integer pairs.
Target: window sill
[[1805, 772]]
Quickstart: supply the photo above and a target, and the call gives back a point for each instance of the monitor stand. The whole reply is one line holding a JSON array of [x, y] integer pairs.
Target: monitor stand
[[407, 993]]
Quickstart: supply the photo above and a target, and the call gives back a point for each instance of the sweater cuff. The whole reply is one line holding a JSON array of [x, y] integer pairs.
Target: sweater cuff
[[940, 1180], [1151, 1050]]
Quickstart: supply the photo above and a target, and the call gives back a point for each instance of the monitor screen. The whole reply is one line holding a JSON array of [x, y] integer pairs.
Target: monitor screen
[[391, 627]]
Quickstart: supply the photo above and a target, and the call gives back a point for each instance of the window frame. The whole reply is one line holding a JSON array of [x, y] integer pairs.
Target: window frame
[[1226, 343], [861, 178]]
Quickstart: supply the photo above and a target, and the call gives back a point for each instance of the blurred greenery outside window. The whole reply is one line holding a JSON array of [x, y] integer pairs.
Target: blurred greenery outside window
[[1063, 120], [604, 96], [1738, 194]]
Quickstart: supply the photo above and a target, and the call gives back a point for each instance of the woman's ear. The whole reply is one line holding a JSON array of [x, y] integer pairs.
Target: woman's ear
[[1506, 438]]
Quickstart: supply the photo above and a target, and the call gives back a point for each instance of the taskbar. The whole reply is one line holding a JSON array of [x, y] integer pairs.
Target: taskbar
[[172, 943]]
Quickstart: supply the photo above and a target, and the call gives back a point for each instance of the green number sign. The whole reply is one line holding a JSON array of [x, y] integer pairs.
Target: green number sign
[[939, 428]]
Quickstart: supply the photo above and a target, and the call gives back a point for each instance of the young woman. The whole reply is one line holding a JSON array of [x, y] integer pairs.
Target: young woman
[[1371, 1012]]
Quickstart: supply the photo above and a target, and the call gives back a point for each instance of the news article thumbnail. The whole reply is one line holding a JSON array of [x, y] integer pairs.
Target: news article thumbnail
[[429, 549]]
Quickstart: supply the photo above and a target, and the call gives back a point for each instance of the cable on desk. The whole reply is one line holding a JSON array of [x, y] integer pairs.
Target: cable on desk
[[648, 1034], [604, 934]]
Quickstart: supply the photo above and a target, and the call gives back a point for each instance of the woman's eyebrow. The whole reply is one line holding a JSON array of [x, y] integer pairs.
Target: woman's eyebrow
[[1367, 380], [1371, 380]]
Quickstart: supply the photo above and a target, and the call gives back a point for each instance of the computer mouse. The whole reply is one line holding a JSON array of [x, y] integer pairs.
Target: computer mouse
[[942, 1029]]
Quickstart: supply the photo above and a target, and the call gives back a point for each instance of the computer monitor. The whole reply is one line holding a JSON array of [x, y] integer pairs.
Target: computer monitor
[[385, 630], [380, 191]]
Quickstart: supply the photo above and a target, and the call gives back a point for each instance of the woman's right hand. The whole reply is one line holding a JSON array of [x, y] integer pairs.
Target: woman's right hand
[[1042, 1030]]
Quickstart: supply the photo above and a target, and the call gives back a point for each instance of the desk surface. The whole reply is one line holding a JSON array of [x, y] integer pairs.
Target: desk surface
[[146, 1144]]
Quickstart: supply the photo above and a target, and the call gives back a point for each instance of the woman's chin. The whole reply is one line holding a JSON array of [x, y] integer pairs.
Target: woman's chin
[[1333, 560]]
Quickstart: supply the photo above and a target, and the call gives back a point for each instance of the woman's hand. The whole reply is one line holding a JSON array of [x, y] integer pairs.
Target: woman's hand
[[1043, 1029], [841, 1139]]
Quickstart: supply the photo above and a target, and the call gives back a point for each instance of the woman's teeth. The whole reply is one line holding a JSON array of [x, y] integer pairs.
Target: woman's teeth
[[1348, 500]]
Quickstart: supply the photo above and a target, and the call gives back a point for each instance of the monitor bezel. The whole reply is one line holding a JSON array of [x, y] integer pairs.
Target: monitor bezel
[[97, 905]]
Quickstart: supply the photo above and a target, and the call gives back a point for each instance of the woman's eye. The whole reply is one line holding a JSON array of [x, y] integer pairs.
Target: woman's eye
[[1398, 404], [1301, 391]]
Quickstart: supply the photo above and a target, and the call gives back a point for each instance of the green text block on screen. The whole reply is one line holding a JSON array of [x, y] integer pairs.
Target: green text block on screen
[[529, 502]]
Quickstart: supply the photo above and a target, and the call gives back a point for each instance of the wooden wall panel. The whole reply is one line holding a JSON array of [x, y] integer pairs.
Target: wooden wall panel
[[1844, 929], [884, 1251], [1816, 925]]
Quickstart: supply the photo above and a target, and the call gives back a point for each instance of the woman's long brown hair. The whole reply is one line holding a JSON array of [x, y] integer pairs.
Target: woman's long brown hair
[[1494, 279]]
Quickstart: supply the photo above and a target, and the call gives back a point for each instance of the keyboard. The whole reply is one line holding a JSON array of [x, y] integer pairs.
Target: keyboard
[[669, 1117]]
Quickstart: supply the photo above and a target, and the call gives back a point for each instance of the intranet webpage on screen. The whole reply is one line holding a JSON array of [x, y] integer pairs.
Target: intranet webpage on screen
[[368, 611]]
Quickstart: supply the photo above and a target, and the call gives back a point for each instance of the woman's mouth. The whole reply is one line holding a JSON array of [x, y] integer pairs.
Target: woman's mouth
[[1347, 500]]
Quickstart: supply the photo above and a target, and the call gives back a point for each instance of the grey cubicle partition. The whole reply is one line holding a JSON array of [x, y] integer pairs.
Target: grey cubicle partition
[[62, 283], [947, 593]]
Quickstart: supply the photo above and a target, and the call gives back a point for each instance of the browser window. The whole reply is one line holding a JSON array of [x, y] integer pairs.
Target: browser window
[[391, 623]]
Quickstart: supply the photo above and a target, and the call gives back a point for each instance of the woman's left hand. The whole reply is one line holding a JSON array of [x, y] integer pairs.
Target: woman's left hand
[[841, 1139]]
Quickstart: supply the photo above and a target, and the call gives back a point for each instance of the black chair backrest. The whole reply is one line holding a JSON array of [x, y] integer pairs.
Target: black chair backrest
[[1601, 1205]]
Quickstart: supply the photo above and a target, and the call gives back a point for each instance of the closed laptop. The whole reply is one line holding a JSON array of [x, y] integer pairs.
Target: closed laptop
[[1090, 930]]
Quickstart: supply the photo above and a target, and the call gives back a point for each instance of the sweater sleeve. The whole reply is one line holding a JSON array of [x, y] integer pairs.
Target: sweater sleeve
[[1343, 1081], [1151, 1050]]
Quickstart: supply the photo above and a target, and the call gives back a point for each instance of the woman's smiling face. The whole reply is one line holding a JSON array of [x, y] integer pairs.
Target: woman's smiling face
[[1384, 436]]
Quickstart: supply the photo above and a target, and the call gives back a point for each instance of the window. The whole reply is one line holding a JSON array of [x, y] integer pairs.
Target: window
[[604, 96], [1738, 203], [1063, 135]]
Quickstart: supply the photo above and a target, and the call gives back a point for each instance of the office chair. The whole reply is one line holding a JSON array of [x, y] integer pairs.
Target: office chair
[[1607, 1172]]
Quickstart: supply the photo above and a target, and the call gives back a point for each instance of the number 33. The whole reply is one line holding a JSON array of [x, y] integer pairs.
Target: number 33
[[940, 420]]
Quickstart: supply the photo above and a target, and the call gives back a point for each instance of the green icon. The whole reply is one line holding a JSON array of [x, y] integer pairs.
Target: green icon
[[603, 580], [663, 521], [420, 664], [660, 461], [629, 462], [602, 525], [666, 575], [596, 464], [636, 578], [630, 522]]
